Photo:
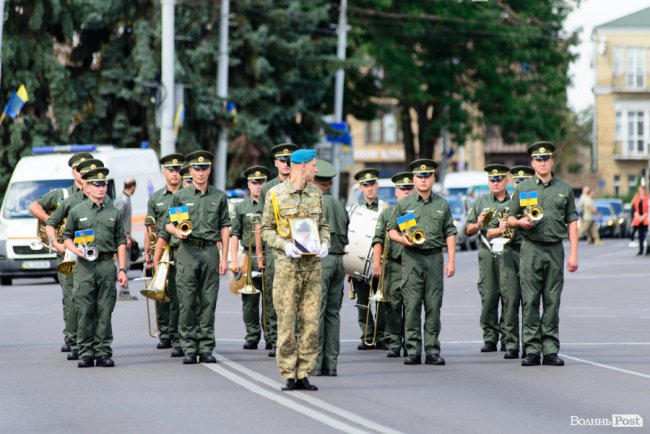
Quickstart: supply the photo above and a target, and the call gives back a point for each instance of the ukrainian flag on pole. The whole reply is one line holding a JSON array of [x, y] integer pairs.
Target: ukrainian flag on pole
[[16, 103], [179, 213], [406, 221]]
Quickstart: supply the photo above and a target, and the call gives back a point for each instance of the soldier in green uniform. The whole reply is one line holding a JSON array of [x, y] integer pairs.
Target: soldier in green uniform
[[157, 208], [281, 154], [509, 271], [422, 264], [490, 204], [246, 221], [100, 225], [42, 209], [333, 274], [542, 253], [394, 332], [367, 179], [57, 221], [297, 285], [198, 260], [187, 178]]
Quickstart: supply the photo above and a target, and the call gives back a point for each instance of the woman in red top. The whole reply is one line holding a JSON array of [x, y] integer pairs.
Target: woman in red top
[[640, 220]]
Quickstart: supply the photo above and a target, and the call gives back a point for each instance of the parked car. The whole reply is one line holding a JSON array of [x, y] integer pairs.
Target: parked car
[[460, 215], [606, 219], [622, 218]]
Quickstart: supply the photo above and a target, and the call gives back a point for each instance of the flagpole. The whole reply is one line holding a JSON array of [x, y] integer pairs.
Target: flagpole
[[4, 114], [2, 21]]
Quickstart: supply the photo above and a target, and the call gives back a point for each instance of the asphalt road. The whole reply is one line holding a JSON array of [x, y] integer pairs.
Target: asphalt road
[[605, 320]]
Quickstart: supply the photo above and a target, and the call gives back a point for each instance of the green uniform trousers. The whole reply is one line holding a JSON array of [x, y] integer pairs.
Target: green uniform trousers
[[69, 311], [271, 315], [167, 312], [541, 276], [197, 284], [510, 296], [367, 322], [253, 321], [488, 289], [394, 332], [94, 296], [422, 284], [329, 320], [296, 297]]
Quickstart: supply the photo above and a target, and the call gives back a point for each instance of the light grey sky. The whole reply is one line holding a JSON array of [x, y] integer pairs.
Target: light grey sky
[[590, 14]]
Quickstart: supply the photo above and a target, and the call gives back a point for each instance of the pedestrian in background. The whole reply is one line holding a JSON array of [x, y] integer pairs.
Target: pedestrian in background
[[123, 205], [588, 213], [640, 220]]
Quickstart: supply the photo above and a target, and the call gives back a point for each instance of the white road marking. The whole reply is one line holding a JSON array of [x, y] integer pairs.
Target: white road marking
[[305, 396], [277, 398], [602, 365]]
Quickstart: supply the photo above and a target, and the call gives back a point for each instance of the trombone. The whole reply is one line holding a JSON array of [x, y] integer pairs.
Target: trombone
[[378, 297], [249, 288]]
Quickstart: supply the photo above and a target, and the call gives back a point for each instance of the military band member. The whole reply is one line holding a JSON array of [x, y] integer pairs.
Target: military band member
[[198, 260], [542, 253], [422, 264], [297, 285], [333, 274], [157, 208], [494, 202], [42, 208], [246, 221], [56, 220], [367, 179], [99, 224], [394, 332], [281, 154], [509, 273], [187, 177]]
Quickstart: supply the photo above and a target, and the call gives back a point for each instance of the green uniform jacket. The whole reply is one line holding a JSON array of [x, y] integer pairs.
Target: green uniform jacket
[[157, 207], [293, 203], [339, 221], [62, 211], [208, 212], [241, 221], [432, 215], [558, 204], [104, 219], [381, 229], [483, 203]]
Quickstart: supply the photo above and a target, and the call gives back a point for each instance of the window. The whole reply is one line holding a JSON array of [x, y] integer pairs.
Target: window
[[617, 185], [383, 130], [635, 132], [632, 120], [631, 183], [373, 129], [619, 125], [634, 70], [618, 61], [390, 128]]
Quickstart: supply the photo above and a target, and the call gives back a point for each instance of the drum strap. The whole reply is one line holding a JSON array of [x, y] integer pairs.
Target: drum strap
[[282, 224]]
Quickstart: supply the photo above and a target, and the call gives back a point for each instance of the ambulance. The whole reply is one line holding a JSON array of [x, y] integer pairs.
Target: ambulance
[[21, 253]]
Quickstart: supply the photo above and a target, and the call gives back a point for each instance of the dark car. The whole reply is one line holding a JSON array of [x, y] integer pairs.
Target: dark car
[[460, 215], [622, 218], [606, 219]]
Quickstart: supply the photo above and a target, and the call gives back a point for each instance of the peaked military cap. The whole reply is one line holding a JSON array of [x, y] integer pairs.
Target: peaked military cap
[[256, 172], [283, 150], [90, 164], [78, 158], [423, 165], [326, 171], [497, 170], [99, 174], [402, 178], [522, 172], [185, 172], [199, 158], [367, 174], [541, 150], [173, 160]]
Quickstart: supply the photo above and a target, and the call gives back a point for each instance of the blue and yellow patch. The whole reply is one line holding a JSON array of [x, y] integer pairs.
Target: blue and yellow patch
[[85, 236], [179, 214]]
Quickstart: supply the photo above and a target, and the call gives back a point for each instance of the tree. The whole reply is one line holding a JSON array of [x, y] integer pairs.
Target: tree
[[462, 64]]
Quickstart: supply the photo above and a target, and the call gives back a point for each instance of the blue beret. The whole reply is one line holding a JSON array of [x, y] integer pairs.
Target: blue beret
[[303, 156]]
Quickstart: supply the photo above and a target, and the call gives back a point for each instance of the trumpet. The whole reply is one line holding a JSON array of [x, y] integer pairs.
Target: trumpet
[[416, 236], [535, 213], [90, 253], [185, 228]]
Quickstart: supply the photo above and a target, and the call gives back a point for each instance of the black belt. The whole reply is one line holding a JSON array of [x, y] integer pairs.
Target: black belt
[[425, 251], [105, 256], [199, 243], [546, 243], [336, 254]]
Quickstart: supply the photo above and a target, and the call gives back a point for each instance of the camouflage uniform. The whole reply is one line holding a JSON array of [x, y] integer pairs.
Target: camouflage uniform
[[297, 283]]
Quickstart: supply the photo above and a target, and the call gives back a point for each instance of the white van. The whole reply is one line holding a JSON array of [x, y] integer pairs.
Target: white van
[[460, 183], [385, 192], [21, 253]]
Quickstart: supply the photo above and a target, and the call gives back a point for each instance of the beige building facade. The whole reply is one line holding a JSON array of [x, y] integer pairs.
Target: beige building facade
[[621, 145]]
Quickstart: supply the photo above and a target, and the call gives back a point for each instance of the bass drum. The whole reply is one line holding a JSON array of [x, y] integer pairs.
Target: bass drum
[[357, 261]]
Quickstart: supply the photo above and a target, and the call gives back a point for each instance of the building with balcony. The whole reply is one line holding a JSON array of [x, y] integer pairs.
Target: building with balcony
[[621, 145]]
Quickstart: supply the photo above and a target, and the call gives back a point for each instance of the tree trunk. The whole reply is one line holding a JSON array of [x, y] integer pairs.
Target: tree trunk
[[407, 133], [426, 134]]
